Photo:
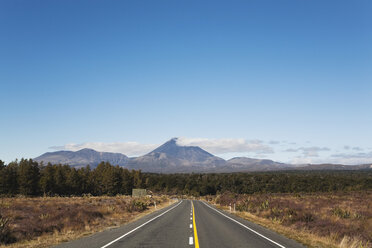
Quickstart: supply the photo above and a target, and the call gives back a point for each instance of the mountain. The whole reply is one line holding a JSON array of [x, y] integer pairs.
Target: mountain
[[82, 158], [251, 164], [174, 158], [171, 157]]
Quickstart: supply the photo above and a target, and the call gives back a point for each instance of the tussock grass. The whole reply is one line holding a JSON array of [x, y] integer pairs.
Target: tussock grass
[[317, 219], [45, 221]]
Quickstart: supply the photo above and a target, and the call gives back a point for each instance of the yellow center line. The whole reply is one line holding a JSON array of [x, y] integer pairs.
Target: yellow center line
[[196, 241]]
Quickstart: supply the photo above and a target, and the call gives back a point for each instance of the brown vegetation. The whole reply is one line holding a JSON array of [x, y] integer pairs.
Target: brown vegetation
[[43, 221], [317, 219]]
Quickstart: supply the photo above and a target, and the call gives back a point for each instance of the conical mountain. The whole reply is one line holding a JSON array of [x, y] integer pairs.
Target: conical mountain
[[190, 153], [172, 157]]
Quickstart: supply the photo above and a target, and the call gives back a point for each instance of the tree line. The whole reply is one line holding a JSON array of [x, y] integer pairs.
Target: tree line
[[28, 177]]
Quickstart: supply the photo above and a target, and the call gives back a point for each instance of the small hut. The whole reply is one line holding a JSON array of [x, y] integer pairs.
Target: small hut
[[139, 192]]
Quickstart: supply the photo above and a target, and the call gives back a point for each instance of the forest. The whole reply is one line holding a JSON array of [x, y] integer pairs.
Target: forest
[[29, 178]]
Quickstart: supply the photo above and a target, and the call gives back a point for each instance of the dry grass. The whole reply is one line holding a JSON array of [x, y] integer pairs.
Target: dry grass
[[46, 221], [317, 220]]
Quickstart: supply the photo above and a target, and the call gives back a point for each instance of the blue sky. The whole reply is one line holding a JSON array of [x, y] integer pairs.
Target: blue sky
[[287, 80]]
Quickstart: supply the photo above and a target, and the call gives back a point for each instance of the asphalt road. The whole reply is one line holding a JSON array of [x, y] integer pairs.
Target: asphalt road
[[186, 224]]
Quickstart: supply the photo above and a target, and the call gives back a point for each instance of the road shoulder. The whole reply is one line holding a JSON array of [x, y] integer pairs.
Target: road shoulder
[[266, 231], [108, 234]]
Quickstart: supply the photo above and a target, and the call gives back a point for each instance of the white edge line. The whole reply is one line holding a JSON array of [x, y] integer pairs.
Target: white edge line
[[250, 229], [106, 245]]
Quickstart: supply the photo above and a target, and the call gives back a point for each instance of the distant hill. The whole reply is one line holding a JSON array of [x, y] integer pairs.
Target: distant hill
[[334, 167], [82, 158], [173, 158], [251, 164]]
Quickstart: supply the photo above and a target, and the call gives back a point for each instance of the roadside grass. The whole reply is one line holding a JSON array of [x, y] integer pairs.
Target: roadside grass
[[47, 221], [342, 220]]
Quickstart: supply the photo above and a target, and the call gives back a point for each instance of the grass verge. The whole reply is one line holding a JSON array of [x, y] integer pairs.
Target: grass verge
[[334, 220], [47, 221]]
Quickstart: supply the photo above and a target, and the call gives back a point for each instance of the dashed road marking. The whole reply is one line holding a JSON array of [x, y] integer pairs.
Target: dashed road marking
[[191, 241]]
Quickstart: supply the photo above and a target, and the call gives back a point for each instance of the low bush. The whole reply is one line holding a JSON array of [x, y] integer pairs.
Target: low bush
[[5, 233], [344, 214], [341, 217], [27, 218]]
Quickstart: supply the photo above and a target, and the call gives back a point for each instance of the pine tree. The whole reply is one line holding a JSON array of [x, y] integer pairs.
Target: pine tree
[[74, 182], [47, 182], [28, 176], [127, 182], [60, 177]]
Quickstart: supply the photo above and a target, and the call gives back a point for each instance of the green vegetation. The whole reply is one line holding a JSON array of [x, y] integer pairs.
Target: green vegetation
[[260, 182], [27, 177], [5, 235], [45, 221], [322, 219]]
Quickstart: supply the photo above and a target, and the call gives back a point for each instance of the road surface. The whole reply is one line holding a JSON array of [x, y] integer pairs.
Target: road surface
[[186, 224]]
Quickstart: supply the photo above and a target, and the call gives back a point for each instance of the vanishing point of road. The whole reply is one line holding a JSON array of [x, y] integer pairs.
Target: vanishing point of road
[[187, 223]]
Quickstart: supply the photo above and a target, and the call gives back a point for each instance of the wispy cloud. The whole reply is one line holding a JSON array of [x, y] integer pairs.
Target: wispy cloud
[[312, 151], [291, 150], [353, 155], [355, 148], [221, 146], [337, 158], [274, 142], [301, 160], [352, 158]]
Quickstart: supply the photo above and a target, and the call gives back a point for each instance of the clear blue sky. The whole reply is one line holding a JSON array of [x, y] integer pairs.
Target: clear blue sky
[[145, 71]]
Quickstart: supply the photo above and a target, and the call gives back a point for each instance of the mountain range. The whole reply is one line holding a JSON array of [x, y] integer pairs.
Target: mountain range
[[173, 158], [82, 158]]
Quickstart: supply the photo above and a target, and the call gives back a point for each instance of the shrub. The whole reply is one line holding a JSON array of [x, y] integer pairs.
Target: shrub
[[307, 217], [137, 205], [343, 214], [5, 233], [265, 205]]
